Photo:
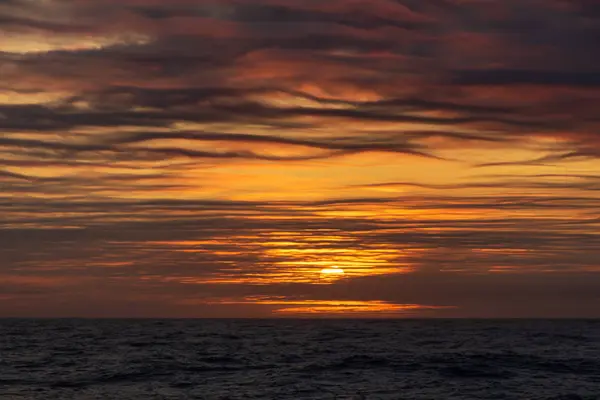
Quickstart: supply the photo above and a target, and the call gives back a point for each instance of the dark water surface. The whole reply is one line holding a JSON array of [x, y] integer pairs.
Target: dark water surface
[[299, 359]]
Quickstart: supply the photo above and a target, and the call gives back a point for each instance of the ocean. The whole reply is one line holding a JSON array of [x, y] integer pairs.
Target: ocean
[[299, 359]]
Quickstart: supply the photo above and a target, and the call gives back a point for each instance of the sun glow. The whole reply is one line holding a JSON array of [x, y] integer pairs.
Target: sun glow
[[284, 306], [332, 271]]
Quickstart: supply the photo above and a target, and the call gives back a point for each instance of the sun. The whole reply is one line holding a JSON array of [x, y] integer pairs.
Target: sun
[[332, 271]]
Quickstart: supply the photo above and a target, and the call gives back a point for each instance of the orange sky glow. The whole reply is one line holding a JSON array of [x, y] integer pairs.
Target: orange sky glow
[[293, 158]]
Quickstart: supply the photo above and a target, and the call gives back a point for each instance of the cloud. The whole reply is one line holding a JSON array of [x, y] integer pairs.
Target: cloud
[[523, 77], [170, 153]]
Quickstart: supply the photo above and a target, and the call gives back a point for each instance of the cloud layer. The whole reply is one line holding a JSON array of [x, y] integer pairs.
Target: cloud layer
[[206, 158]]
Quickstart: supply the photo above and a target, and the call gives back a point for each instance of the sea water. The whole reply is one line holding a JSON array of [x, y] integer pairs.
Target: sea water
[[299, 359]]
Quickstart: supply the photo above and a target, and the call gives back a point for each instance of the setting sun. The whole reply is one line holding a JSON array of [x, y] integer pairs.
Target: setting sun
[[332, 271]]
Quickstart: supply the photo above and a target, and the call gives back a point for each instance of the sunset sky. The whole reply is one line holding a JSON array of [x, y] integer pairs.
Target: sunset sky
[[300, 158]]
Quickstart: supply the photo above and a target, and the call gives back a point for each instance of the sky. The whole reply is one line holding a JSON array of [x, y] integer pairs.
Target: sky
[[299, 158]]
